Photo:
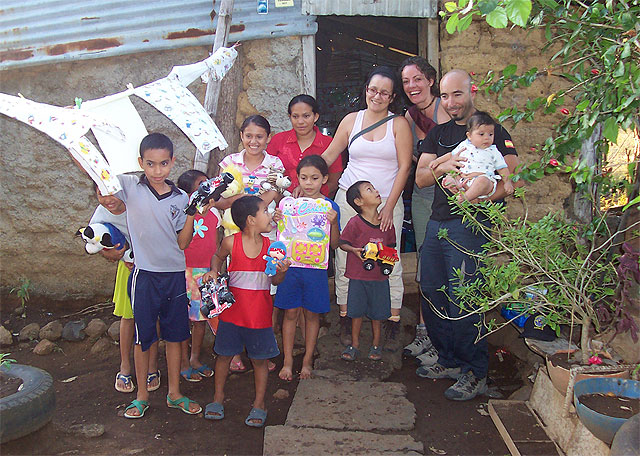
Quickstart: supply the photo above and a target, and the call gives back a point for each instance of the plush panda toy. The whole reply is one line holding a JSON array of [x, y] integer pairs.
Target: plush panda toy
[[100, 236]]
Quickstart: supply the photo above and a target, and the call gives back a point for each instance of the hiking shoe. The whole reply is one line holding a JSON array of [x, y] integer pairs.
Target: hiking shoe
[[438, 371], [428, 358], [345, 331], [467, 387], [420, 344], [391, 336]]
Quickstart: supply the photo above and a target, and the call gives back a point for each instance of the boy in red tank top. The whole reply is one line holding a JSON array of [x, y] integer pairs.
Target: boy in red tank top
[[247, 324]]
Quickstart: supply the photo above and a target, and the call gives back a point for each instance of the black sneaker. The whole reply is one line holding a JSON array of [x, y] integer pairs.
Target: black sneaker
[[345, 331], [467, 387], [392, 335]]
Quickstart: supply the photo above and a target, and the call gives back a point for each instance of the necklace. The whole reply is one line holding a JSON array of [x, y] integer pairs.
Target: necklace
[[428, 106]]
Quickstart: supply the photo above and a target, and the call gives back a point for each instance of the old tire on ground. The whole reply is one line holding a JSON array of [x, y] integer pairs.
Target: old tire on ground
[[30, 408]]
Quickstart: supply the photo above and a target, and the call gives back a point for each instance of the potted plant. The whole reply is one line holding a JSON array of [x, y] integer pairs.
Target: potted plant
[[566, 269]]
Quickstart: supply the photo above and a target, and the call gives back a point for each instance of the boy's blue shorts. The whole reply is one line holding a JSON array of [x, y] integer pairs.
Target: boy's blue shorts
[[159, 296], [231, 340], [369, 298], [307, 288]]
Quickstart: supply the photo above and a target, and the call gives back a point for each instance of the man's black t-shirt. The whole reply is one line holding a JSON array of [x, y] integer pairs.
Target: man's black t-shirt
[[442, 139]]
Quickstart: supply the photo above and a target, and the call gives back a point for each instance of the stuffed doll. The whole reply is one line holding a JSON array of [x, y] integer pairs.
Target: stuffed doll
[[100, 236], [276, 180], [276, 253]]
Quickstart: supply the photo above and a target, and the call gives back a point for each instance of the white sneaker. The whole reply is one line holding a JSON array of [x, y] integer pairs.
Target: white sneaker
[[420, 344], [428, 358]]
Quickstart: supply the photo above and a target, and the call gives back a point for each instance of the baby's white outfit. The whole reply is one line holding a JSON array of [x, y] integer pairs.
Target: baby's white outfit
[[486, 161]]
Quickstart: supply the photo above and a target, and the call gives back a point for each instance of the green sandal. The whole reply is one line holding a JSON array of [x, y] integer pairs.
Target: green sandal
[[142, 407], [183, 404]]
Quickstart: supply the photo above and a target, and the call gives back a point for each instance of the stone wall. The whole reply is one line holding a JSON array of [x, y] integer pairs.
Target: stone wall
[[45, 198], [272, 76], [481, 48]]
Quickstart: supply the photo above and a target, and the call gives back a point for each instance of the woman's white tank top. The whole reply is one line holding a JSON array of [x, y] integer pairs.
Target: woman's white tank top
[[373, 161]]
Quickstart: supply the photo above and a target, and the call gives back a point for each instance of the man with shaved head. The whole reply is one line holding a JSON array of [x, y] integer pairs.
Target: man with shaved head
[[459, 357]]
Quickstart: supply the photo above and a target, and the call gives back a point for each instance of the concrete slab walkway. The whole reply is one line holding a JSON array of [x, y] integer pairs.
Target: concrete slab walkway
[[345, 417]]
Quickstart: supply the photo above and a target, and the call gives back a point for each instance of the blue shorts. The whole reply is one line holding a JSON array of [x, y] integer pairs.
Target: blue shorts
[[231, 340], [307, 288], [159, 296], [370, 298]]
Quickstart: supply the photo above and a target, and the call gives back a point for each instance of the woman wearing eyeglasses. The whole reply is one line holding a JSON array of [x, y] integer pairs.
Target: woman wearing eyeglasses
[[421, 88], [379, 147]]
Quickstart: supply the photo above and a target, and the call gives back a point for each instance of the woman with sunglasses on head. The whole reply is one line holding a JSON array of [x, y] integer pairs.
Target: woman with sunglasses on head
[[422, 91], [379, 147]]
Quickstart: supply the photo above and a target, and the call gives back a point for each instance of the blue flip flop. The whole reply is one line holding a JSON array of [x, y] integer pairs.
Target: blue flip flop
[[256, 414], [187, 374], [151, 377], [214, 411], [142, 407], [350, 353], [126, 380], [204, 368]]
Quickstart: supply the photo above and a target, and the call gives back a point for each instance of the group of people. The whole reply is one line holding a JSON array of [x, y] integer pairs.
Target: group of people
[[455, 150]]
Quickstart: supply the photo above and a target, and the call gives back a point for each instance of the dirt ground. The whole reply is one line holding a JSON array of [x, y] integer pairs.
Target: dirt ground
[[444, 427]]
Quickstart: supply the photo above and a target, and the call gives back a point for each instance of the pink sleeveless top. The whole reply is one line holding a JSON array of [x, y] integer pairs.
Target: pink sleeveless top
[[373, 161]]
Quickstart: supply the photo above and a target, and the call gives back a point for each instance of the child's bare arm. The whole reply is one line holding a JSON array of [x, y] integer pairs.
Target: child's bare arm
[[218, 259], [351, 249], [186, 233], [438, 161], [114, 254], [334, 237], [281, 269]]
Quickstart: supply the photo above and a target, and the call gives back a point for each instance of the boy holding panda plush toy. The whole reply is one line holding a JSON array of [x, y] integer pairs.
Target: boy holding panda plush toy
[[112, 210]]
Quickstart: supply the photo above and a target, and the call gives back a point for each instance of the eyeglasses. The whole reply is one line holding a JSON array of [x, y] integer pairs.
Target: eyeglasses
[[383, 94]]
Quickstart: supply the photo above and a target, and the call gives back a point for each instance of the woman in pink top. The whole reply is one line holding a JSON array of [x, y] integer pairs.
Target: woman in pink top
[[381, 156], [302, 140]]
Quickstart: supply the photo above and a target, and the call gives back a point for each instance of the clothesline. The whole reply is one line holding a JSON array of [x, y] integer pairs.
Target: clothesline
[[117, 125]]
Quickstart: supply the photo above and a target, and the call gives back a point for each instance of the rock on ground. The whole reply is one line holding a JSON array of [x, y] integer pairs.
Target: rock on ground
[[44, 347], [114, 330], [29, 332], [281, 394], [284, 440], [96, 328], [6, 338], [101, 347], [353, 406], [73, 330], [51, 331]]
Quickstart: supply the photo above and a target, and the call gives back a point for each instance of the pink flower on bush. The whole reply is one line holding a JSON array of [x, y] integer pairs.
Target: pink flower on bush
[[565, 111], [595, 359], [553, 162], [474, 88], [595, 71], [473, 73]]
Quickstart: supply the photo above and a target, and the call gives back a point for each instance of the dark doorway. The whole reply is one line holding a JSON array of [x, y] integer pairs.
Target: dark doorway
[[347, 47]]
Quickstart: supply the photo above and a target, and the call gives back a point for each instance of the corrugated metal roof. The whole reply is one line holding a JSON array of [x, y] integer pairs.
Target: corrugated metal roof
[[391, 8], [34, 32]]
